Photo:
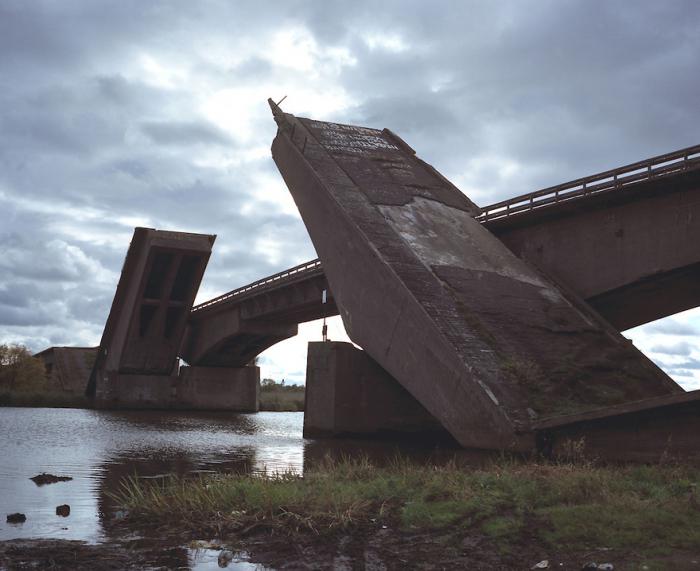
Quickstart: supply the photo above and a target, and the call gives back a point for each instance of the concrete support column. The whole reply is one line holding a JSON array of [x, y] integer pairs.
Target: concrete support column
[[348, 393], [196, 388], [219, 388]]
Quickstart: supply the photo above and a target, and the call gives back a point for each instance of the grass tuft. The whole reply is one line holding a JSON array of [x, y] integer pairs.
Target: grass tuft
[[574, 506]]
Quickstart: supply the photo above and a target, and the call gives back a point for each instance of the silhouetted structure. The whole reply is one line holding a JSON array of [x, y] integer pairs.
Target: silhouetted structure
[[68, 368], [485, 341], [137, 363], [498, 324]]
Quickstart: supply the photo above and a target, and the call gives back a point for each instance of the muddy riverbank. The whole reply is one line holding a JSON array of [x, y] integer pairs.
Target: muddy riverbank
[[369, 547], [426, 512]]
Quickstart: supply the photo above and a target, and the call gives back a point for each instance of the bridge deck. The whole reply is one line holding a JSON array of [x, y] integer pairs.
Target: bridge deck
[[284, 278], [616, 180]]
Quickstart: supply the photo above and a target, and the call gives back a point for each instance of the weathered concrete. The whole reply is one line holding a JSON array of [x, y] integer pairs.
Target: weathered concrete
[[349, 394], [224, 339], [195, 388], [631, 254], [217, 388], [68, 368], [625, 244], [476, 335], [137, 391], [233, 329], [138, 353], [158, 284], [648, 431]]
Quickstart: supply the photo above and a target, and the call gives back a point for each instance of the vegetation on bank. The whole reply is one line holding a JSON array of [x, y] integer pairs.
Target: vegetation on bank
[[23, 381], [19, 371], [648, 510], [280, 397]]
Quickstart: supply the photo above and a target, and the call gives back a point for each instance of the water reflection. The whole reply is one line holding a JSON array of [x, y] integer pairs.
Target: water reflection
[[99, 448], [157, 464]]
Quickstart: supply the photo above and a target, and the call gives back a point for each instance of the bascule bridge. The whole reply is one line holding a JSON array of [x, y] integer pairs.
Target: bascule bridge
[[499, 324]]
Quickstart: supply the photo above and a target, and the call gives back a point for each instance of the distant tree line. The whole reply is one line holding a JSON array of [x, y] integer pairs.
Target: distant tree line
[[19, 371], [279, 396], [272, 385]]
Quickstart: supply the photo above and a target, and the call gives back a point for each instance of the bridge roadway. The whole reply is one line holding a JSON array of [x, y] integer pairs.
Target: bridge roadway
[[624, 240]]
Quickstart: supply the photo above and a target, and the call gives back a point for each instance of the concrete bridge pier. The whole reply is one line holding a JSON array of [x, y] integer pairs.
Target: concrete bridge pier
[[219, 388], [194, 388], [349, 394]]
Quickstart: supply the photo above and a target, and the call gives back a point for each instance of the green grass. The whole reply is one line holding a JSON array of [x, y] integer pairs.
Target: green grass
[[282, 398], [648, 509]]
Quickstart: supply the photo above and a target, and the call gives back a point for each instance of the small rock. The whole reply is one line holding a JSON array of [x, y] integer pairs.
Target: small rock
[[63, 511], [43, 479], [470, 542], [590, 566], [606, 567], [16, 518], [225, 557], [544, 564]]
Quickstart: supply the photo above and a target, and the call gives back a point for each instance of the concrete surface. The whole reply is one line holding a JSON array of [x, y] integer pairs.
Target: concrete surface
[[159, 281], [68, 368], [195, 388], [480, 338], [349, 394]]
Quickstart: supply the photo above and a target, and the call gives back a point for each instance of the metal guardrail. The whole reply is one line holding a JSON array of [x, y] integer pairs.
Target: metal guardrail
[[292, 274], [621, 177]]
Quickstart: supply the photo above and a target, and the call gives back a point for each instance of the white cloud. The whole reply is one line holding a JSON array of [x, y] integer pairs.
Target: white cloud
[[287, 360], [116, 114], [674, 345]]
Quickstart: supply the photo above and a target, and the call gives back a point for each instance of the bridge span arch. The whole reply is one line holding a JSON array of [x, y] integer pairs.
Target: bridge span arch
[[625, 241], [234, 328]]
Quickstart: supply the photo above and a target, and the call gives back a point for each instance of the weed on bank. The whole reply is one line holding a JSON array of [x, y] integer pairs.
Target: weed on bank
[[649, 509]]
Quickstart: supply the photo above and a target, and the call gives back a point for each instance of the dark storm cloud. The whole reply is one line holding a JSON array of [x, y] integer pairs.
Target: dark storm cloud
[[521, 83], [104, 123], [50, 261]]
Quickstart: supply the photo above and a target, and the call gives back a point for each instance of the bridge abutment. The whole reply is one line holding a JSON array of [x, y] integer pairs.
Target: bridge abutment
[[220, 388], [195, 388], [349, 394]]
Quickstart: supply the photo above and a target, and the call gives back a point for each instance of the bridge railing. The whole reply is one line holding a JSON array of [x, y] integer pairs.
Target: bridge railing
[[621, 177], [663, 165], [287, 276]]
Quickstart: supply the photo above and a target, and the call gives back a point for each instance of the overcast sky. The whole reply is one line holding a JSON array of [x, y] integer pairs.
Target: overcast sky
[[121, 113]]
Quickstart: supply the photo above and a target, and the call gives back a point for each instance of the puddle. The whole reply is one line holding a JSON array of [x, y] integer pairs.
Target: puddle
[[201, 559]]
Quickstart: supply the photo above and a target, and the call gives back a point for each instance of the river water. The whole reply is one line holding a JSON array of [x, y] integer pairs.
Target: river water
[[99, 448]]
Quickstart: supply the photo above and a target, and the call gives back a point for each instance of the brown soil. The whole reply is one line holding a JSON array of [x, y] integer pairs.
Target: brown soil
[[373, 547]]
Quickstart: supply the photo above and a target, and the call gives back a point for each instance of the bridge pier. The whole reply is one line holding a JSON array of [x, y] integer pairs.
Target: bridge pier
[[349, 394], [220, 388], [195, 388]]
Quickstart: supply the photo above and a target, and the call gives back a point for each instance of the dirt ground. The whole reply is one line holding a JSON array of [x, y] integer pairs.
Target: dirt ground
[[374, 548]]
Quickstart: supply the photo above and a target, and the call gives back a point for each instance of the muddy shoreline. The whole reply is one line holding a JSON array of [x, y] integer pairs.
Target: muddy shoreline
[[380, 550], [370, 547]]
